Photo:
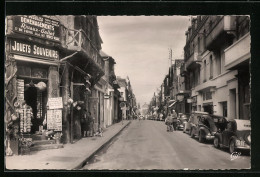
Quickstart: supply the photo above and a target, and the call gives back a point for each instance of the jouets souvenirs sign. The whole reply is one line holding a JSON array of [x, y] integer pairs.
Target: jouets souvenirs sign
[[37, 26], [32, 49]]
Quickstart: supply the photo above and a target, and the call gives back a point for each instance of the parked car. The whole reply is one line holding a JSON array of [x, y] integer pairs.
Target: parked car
[[193, 120], [233, 134], [204, 129], [181, 122]]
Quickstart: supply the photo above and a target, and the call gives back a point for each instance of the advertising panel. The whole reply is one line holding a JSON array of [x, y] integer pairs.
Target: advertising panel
[[37, 26]]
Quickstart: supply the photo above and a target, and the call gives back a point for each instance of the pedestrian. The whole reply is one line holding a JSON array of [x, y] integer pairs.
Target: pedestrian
[[90, 124], [84, 122], [174, 117], [169, 122]]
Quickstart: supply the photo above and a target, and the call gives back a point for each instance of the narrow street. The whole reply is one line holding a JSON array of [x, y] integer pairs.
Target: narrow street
[[145, 144]]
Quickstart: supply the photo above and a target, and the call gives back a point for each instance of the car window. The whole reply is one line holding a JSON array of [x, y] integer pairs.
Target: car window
[[229, 126]]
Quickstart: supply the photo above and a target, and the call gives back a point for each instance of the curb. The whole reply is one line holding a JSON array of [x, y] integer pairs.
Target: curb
[[83, 163]]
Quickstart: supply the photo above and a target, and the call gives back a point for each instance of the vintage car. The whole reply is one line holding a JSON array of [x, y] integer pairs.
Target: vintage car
[[204, 128], [233, 134], [181, 120], [193, 120]]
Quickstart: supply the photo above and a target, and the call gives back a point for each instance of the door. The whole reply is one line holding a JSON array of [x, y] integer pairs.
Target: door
[[227, 133]]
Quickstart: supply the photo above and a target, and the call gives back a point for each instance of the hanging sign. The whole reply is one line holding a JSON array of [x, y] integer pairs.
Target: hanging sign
[[37, 26], [54, 120], [55, 103], [32, 49]]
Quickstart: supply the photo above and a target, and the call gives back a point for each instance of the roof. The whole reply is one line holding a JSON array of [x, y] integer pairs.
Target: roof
[[105, 55]]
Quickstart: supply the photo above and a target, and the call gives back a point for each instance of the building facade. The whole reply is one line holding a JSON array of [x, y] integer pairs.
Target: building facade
[[52, 63], [211, 70]]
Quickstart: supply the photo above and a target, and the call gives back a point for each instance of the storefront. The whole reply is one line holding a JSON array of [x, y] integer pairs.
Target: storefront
[[33, 106]]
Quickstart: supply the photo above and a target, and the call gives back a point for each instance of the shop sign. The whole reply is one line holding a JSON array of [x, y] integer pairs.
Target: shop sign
[[33, 49], [54, 120], [37, 26], [55, 103]]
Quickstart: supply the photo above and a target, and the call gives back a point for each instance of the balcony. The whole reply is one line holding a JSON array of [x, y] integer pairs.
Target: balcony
[[78, 41], [217, 35], [238, 52], [191, 62]]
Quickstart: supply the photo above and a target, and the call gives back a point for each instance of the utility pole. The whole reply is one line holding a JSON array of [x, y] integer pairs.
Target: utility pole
[[170, 56]]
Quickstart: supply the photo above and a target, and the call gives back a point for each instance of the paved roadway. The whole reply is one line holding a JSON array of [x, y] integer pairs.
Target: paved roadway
[[146, 145]]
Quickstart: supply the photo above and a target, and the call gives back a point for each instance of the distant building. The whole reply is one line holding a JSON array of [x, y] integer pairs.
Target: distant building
[[144, 109]]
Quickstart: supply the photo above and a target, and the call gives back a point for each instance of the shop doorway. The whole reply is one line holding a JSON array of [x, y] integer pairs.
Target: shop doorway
[[37, 100]]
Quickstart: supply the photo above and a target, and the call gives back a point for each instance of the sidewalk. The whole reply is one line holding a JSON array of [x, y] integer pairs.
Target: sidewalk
[[72, 156]]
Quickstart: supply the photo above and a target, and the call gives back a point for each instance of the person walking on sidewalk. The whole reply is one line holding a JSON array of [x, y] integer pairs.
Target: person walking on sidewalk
[[90, 124], [169, 122], [174, 117], [84, 123]]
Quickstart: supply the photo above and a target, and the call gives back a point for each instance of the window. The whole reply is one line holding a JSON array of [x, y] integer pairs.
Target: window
[[207, 95], [205, 72], [211, 67], [224, 107], [218, 62], [199, 44], [204, 39]]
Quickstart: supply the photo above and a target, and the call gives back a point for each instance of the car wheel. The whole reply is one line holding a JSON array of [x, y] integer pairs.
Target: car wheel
[[201, 139], [216, 142], [232, 146]]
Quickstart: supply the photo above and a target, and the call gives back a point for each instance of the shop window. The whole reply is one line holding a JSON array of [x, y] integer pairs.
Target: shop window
[[39, 73], [32, 72], [24, 71]]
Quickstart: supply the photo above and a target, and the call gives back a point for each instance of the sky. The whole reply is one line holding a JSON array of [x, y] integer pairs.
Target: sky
[[140, 46]]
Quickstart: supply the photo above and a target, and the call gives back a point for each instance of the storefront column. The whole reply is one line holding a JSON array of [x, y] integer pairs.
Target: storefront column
[[66, 108], [53, 82]]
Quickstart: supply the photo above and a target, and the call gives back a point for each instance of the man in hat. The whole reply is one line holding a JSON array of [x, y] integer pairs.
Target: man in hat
[[174, 117]]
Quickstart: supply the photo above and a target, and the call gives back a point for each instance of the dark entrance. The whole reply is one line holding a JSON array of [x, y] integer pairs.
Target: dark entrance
[[208, 108], [37, 101]]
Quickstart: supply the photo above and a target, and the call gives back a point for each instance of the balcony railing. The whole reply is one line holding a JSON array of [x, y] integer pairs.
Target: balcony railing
[[189, 61], [78, 40], [238, 52], [222, 24], [214, 33]]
